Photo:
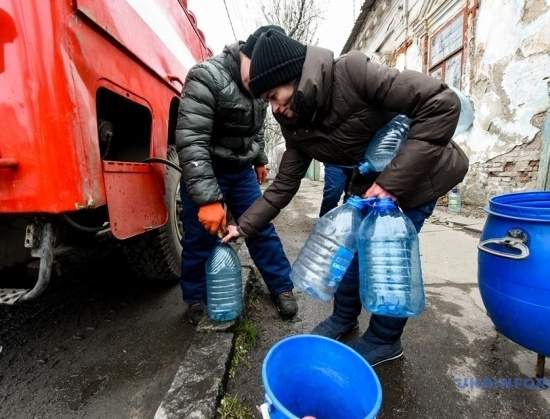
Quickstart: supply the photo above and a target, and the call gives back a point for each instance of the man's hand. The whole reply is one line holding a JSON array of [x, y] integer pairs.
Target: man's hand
[[261, 173], [212, 217], [232, 233], [377, 191]]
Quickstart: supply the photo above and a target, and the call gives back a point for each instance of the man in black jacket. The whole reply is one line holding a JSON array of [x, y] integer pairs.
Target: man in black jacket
[[219, 139]]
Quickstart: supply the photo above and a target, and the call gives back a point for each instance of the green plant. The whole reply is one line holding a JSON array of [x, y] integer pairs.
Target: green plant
[[247, 333], [232, 407]]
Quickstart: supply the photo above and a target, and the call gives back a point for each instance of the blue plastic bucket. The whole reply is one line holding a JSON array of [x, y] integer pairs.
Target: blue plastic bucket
[[308, 375], [514, 268]]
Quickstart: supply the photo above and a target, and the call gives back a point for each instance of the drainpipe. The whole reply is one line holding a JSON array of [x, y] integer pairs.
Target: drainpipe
[[406, 7], [544, 164]]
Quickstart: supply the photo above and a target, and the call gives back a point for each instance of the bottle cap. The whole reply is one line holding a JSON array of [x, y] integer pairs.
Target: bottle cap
[[360, 203], [364, 168], [385, 203]]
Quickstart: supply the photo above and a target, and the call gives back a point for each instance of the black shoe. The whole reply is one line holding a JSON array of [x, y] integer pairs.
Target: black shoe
[[335, 328], [286, 305], [194, 313], [377, 353]]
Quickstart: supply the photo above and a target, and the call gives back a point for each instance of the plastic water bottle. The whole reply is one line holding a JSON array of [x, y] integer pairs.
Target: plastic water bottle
[[385, 144], [466, 117], [453, 200], [223, 284], [328, 251], [389, 262]]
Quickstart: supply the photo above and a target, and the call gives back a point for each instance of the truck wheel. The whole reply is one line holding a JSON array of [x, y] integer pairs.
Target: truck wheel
[[157, 255]]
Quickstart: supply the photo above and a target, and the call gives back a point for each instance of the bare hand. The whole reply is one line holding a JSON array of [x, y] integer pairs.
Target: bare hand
[[377, 191], [232, 233]]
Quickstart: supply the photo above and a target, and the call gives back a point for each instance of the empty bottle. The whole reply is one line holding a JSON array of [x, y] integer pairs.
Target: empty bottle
[[328, 251], [466, 117], [385, 144], [223, 284], [389, 262], [453, 200]]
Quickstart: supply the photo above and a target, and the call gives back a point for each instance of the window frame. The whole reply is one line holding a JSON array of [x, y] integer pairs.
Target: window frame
[[441, 64]]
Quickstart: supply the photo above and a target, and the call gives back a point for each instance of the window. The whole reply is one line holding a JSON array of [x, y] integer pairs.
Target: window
[[446, 52]]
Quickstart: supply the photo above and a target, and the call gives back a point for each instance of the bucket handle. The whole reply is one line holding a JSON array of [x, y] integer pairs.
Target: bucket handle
[[264, 410], [515, 239]]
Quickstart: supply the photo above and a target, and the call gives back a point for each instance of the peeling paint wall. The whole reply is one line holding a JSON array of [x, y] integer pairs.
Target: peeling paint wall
[[506, 71], [510, 68]]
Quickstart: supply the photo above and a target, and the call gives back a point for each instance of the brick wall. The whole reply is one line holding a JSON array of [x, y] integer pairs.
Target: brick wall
[[514, 171]]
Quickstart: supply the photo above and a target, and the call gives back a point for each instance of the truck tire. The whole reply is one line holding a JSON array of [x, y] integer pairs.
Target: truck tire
[[156, 256]]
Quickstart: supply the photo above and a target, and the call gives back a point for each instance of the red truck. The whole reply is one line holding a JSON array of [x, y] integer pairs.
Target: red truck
[[89, 94]]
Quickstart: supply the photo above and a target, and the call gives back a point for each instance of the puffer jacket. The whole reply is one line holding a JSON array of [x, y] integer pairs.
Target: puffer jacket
[[341, 104], [219, 124]]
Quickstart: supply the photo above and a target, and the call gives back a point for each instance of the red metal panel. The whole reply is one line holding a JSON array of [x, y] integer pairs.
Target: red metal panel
[[136, 203], [157, 32], [52, 61], [57, 170]]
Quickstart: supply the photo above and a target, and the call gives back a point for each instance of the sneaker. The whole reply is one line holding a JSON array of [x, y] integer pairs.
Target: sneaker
[[377, 353], [286, 305], [194, 312], [334, 328]]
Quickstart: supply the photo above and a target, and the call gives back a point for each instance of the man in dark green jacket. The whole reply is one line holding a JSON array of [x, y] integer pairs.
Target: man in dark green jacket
[[329, 110], [219, 139]]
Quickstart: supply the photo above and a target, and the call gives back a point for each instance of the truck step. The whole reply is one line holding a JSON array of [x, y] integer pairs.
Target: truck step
[[41, 248], [11, 296]]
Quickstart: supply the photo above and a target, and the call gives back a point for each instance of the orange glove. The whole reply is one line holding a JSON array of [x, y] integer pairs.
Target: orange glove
[[261, 173], [212, 217]]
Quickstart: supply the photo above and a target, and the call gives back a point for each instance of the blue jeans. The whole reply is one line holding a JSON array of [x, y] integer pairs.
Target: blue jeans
[[240, 189], [347, 302], [337, 179]]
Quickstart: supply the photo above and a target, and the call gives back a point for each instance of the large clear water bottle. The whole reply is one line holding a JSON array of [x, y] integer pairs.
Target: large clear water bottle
[[389, 262], [328, 251], [223, 284], [385, 144], [466, 118]]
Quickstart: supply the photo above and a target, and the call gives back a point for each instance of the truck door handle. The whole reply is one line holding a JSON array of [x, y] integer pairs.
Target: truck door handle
[[173, 78]]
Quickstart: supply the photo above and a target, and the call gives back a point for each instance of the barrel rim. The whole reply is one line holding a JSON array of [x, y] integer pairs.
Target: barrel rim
[[510, 206], [282, 409]]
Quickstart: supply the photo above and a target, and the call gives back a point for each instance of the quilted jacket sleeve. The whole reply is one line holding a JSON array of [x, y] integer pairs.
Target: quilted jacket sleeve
[[193, 134]]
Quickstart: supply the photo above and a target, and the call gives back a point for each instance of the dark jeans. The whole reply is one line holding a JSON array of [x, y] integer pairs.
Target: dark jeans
[[337, 179], [240, 189], [347, 303]]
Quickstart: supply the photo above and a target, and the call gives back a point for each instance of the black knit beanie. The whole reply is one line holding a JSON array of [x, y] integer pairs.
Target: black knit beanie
[[276, 60], [250, 43]]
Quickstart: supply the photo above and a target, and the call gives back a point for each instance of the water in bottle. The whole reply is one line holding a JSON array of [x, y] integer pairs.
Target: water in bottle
[[385, 144], [223, 284], [328, 251], [389, 262], [453, 201]]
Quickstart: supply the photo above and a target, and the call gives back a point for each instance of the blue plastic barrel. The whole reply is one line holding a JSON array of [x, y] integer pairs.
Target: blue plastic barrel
[[514, 268], [308, 375]]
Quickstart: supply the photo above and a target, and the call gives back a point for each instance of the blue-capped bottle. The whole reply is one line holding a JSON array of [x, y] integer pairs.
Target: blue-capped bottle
[[327, 253], [223, 284], [389, 262], [384, 145]]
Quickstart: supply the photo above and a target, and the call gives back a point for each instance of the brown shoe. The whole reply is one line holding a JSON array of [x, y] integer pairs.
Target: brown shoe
[[286, 305]]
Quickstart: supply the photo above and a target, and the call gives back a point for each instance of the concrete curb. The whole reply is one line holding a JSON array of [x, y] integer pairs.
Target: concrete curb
[[199, 383]]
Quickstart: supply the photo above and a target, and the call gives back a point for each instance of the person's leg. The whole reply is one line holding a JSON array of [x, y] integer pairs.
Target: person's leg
[[197, 245], [265, 248], [348, 172], [347, 306], [382, 340], [336, 181]]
